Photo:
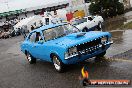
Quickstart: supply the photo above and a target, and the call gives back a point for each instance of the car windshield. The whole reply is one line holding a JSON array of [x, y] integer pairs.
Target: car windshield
[[59, 31]]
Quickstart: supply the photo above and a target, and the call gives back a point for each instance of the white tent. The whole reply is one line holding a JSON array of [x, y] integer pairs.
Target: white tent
[[29, 5], [34, 20]]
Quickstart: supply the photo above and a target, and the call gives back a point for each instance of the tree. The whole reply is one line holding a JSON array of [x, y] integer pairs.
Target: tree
[[106, 8]]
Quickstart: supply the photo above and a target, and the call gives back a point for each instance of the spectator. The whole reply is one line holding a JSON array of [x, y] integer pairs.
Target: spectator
[[38, 37], [32, 27], [23, 32], [41, 23]]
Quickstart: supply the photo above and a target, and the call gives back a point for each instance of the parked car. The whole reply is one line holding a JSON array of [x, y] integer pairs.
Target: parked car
[[89, 23], [64, 44]]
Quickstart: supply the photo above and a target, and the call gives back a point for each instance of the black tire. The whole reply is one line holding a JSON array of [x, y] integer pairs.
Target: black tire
[[101, 54], [100, 26], [30, 58], [58, 65]]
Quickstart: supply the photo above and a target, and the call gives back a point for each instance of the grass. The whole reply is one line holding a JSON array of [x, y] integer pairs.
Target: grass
[[127, 26]]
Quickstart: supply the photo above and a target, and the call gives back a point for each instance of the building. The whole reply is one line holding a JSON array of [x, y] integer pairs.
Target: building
[[22, 9]]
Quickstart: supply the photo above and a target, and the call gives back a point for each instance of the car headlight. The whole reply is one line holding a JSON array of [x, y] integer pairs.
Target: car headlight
[[104, 39], [71, 52], [66, 55]]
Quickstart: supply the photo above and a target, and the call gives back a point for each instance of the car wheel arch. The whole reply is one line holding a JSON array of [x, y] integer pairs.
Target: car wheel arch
[[26, 52], [54, 54], [61, 65]]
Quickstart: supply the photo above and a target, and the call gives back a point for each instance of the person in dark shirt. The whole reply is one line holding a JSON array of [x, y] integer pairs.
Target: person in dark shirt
[[32, 27], [38, 37]]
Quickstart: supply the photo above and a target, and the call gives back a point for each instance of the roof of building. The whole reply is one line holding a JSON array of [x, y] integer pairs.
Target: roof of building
[[28, 5]]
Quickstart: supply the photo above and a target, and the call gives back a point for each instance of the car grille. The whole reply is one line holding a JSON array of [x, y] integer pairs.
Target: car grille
[[89, 47]]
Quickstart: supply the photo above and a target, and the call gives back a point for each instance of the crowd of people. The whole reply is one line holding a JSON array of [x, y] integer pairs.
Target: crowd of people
[[7, 30]]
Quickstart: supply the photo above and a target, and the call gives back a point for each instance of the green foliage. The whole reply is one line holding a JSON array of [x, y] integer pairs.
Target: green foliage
[[106, 8], [127, 26], [120, 8], [94, 8]]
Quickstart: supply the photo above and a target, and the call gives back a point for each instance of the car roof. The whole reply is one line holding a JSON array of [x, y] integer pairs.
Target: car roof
[[48, 26]]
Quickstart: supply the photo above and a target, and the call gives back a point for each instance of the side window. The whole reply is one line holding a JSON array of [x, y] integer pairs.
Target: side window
[[38, 37], [59, 31], [32, 37], [49, 34], [53, 33], [65, 28]]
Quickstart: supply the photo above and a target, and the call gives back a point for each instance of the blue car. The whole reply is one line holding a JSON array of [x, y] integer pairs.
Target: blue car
[[64, 44]]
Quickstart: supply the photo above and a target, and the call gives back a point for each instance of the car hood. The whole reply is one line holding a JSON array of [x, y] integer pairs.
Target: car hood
[[77, 38]]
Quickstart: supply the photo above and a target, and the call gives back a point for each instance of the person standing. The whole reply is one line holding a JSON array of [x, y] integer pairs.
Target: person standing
[[23, 31], [32, 27]]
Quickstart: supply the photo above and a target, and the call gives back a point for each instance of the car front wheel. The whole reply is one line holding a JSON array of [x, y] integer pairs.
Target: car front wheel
[[30, 58], [57, 64]]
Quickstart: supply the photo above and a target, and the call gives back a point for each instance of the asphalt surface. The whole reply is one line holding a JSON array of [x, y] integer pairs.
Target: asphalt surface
[[16, 72]]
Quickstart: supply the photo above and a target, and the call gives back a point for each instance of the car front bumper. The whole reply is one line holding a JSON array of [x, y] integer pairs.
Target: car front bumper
[[84, 56]]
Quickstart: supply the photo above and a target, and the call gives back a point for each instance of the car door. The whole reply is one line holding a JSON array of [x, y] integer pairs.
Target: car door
[[38, 47], [31, 44]]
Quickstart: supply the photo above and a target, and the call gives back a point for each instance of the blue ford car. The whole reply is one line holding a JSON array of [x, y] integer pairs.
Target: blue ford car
[[64, 44]]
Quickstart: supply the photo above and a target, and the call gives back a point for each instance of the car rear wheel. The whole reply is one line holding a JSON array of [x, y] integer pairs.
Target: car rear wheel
[[30, 58], [58, 65]]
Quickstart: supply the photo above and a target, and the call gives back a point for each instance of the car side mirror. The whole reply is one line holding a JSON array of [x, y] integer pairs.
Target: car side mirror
[[40, 42]]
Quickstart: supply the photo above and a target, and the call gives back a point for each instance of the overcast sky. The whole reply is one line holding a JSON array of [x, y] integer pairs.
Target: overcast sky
[[2, 1]]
